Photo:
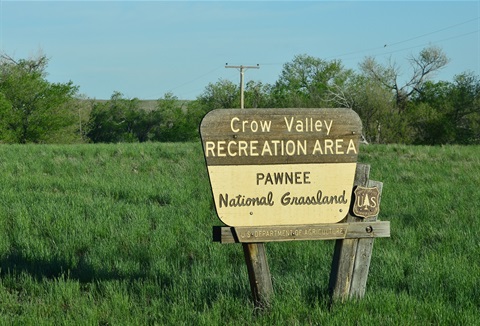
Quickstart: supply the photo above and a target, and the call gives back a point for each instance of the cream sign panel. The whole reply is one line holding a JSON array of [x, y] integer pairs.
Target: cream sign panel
[[281, 166]]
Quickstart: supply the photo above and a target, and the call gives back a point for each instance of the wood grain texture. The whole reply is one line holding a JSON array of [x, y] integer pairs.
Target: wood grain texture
[[258, 274], [345, 251], [363, 255], [284, 131], [353, 230]]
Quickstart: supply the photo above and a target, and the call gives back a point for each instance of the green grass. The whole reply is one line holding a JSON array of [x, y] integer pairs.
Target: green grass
[[121, 235]]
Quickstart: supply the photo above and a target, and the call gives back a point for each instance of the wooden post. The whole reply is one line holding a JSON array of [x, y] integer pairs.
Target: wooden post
[[363, 256], [351, 258], [258, 273], [345, 251]]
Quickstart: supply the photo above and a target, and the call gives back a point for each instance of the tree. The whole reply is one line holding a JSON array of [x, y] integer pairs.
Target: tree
[[175, 124], [221, 95], [305, 82], [257, 95], [116, 120], [447, 112], [372, 102], [6, 120], [37, 110], [124, 120], [424, 66]]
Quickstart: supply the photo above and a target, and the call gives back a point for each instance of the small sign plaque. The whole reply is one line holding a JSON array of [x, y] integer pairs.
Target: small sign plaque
[[281, 166], [367, 202]]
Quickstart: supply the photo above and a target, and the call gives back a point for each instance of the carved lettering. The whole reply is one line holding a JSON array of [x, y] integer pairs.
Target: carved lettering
[[274, 147], [308, 125], [240, 200], [319, 199], [283, 178], [237, 125]]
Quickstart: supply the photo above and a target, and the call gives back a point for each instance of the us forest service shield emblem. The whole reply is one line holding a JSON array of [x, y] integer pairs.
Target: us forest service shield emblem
[[367, 202]]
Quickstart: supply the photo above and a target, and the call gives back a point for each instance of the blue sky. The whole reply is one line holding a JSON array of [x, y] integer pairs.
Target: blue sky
[[144, 49]]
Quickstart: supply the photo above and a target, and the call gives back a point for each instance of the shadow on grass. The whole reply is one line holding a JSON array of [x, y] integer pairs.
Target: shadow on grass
[[320, 295], [16, 264], [207, 290]]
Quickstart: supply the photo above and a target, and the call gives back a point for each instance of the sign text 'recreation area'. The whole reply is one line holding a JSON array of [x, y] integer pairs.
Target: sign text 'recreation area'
[[281, 166]]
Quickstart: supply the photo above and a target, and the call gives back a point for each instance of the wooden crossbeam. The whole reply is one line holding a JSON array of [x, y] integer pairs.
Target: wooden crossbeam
[[353, 230]]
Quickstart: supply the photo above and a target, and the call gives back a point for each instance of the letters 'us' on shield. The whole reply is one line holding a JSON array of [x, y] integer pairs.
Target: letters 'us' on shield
[[281, 166]]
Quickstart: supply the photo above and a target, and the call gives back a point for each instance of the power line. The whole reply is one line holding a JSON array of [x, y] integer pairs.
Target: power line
[[434, 32], [386, 45], [195, 79], [423, 44], [400, 42], [414, 38]]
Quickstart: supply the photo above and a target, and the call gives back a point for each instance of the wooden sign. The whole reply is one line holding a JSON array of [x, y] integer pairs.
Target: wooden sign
[[281, 166]]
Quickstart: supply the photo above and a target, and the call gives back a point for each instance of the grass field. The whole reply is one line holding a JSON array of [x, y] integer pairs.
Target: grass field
[[121, 235]]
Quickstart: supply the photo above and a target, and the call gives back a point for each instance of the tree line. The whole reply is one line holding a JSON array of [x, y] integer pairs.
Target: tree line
[[393, 108]]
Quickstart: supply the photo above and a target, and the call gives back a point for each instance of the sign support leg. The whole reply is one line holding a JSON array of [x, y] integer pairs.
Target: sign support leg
[[258, 273], [363, 256], [345, 253], [351, 258]]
